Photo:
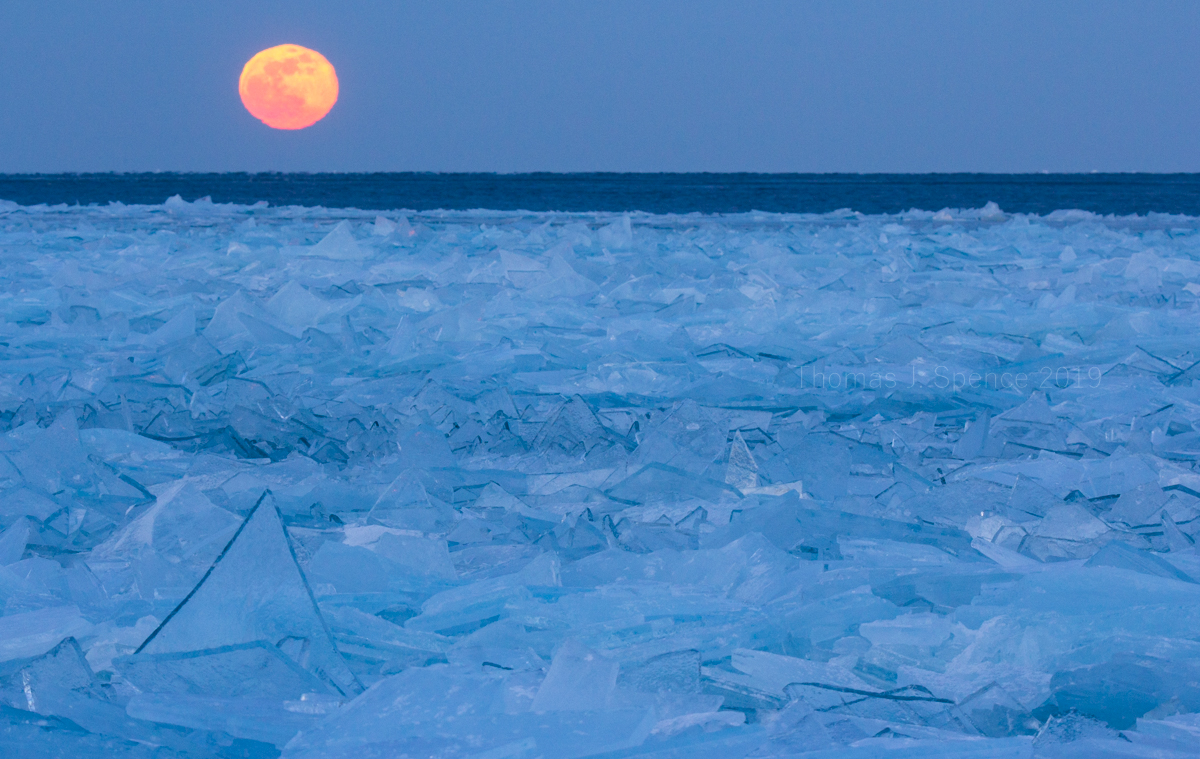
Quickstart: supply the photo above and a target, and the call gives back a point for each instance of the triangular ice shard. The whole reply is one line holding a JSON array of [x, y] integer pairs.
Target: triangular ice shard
[[742, 469], [62, 668], [339, 245], [1124, 556], [255, 591], [574, 428]]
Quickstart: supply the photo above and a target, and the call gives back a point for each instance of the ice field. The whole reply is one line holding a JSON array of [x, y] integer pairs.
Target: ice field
[[317, 483]]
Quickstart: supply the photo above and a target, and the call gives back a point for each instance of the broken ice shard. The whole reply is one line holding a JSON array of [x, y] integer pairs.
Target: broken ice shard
[[254, 592]]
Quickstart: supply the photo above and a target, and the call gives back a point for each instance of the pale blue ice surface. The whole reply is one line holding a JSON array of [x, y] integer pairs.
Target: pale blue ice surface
[[486, 484]]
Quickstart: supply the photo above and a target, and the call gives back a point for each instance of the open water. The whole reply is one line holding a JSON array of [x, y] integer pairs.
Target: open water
[[1119, 194]]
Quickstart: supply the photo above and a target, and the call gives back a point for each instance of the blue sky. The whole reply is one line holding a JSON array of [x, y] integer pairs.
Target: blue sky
[[673, 85]]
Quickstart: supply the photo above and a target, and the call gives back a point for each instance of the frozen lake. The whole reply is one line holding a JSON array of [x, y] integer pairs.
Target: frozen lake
[[503, 484]]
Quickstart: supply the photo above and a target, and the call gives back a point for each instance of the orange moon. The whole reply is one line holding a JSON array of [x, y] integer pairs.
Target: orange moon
[[288, 87]]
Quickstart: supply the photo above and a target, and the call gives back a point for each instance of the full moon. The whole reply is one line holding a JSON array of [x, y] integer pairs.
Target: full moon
[[288, 87]]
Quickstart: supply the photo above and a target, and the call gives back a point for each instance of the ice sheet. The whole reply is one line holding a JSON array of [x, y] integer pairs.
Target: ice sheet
[[312, 482]]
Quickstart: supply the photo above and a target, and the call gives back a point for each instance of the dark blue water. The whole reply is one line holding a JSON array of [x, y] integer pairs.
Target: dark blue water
[[658, 193]]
